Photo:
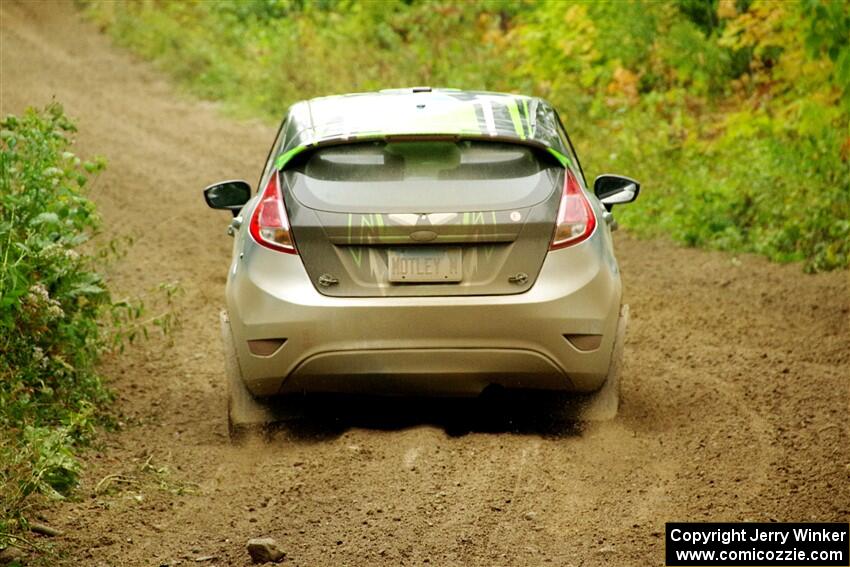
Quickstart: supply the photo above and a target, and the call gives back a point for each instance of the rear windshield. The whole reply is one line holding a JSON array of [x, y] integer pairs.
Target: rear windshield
[[423, 176]]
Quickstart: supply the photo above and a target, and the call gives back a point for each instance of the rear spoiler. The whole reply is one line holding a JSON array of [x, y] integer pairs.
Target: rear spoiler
[[287, 156]]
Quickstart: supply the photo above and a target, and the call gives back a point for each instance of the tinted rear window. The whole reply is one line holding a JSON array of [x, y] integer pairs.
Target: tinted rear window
[[423, 176]]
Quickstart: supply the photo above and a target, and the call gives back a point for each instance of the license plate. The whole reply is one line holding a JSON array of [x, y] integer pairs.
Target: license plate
[[417, 264]]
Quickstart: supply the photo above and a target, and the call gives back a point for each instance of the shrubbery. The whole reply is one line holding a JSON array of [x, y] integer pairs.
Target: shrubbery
[[51, 304], [56, 315], [734, 113]]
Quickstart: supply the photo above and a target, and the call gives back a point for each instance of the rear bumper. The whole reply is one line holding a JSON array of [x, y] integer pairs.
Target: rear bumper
[[432, 345], [432, 370]]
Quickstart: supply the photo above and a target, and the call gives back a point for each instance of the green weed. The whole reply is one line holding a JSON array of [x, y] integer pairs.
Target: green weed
[[56, 315]]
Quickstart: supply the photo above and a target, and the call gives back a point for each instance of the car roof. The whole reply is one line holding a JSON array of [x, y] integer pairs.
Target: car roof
[[421, 111]]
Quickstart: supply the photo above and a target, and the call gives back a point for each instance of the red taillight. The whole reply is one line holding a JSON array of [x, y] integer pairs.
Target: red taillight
[[576, 220], [269, 223]]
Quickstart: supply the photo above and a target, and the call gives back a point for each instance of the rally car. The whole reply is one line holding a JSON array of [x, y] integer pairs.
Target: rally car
[[421, 241]]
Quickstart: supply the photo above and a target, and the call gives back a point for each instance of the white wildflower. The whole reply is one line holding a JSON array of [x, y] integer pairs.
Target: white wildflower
[[54, 310], [52, 172]]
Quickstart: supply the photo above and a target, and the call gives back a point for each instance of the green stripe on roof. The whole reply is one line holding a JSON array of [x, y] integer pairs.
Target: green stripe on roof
[[513, 109], [527, 116]]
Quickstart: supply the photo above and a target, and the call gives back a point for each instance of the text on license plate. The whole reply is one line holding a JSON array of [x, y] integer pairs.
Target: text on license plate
[[425, 264]]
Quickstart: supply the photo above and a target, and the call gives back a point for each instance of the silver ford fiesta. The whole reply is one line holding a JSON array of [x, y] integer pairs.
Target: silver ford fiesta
[[421, 241]]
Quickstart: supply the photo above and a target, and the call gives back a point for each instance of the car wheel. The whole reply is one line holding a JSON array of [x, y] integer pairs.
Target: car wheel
[[603, 404], [245, 413]]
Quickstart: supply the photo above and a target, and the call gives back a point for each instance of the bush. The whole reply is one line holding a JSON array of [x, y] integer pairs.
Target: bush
[[736, 120], [51, 302]]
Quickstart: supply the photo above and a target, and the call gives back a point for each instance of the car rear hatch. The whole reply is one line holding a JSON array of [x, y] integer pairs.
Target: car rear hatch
[[423, 217]]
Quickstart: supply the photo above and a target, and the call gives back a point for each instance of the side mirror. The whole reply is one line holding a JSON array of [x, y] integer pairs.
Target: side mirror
[[229, 195], [615, 189]]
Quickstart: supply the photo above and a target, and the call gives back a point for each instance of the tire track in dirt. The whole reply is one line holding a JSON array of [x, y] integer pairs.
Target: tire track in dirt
[[735, 385]]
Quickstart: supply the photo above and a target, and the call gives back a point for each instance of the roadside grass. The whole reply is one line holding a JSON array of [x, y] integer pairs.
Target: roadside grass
[[51, 302], [735, 115], [56, 315]]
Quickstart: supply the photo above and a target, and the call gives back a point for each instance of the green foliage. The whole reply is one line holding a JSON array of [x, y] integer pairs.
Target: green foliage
[[50, 303], [734, 113], [826, 33], [304, 49], [56, 315]]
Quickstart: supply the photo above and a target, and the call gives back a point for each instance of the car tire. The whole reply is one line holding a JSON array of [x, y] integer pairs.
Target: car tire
[[245, 413], [603, 404]]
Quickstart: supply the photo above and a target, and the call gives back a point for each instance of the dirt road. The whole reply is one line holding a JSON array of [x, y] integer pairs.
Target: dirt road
[[735, 390]]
